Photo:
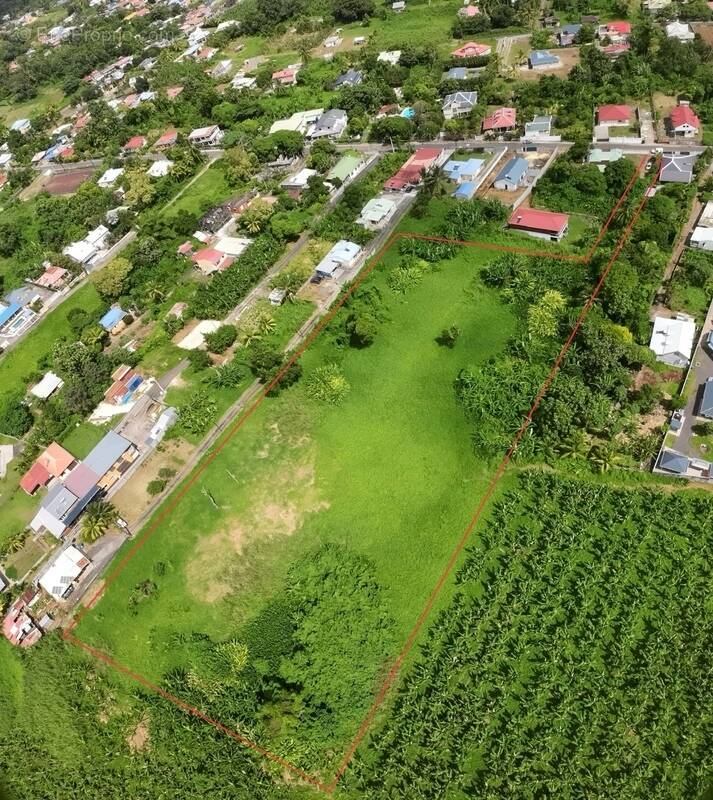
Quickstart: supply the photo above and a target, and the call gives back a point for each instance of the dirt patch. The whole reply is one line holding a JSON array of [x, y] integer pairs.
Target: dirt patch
[[93, 594], [65, 183], [647, 377], [279, 505], [132, 499], [652, 422], [138, 740], [704, 30]]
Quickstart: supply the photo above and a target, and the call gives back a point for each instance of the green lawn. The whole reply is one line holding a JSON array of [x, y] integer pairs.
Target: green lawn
[[390, 473], [208, 190], [25, 357], [83, 438]]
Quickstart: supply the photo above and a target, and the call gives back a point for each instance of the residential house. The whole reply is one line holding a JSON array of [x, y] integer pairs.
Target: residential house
[[286, 77], [702, 238], [159, 169], [672, 339], [603, 157], [620, 115], [342, 256], [539, 129], [463, 171], [232, 245], [134, 144], [113, 320], [345, 169], [388, 110], [389, 56], [241, 81], [542, 59], [7, 455], [209, 260], [221, 69], [352, 77], [277, 297], [568, 34], [377, 213], [332, 41], [459, 104], [674, 462], [49, 384], [539, 224], [654, 6], [512, 176], [472, 50], [22, 126], [125, 383], [167, 139], [60, 578], [616, 50], [88, 249], [172, 92], [461, 73], [684, 122], [19, 626], [297, 183], [15, 319], [210, 136], [300, 121], [331, 124], [681, 31], [465, 190], [409, 175], [617, 32], [501, 120], [677, 168], [54, 278], [398, 6], [110, 177], [52, 463]]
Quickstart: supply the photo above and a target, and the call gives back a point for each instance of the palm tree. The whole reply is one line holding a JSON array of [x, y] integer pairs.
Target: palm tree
[[98, 518], [575, 446], [602, 456]]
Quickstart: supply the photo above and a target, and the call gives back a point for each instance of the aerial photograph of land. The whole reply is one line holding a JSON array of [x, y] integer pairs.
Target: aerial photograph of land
[[356, 399]]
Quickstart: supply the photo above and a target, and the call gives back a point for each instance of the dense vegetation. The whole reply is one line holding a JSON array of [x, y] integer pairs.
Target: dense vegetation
[[572, 661]]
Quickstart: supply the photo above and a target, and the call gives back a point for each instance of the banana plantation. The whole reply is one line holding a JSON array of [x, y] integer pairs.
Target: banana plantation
[[574, 661]]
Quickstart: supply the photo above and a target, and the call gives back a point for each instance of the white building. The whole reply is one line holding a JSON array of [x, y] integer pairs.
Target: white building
[[680, 30], [672, 339], [342, 256], [377, 213], [49, 384], [389, 56], [159, 169], [87, 249], [210, 136], [300, 121], [60, 577], [110, 177]]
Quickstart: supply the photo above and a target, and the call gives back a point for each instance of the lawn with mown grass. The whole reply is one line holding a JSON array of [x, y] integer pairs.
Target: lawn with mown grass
[[388, 474]]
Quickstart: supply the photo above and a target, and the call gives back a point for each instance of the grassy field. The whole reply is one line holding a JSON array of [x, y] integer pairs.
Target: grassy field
[[390, 473], [25, 357], [208, 190], [81, 439], [48, 96]]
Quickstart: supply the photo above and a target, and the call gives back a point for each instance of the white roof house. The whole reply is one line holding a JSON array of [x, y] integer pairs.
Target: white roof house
[[706, 218], [232, 245], [377, 212], [672, 339], [110, 177], [209, 136], [47, 386], [58, 578], [389, 56], [85, 250], [299, 180], [343, 254], [159, 169], [702, 239], [680, 30], [300, 121]]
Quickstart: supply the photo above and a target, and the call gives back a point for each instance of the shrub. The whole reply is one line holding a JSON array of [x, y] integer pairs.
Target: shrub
[[220, 340], [199, 360], [328, 384], [155, 487]]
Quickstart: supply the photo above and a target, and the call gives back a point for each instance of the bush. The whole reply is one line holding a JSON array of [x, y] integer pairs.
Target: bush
[[15, 417], [223, 338], [328, 384], [199, 360], [155, 487]]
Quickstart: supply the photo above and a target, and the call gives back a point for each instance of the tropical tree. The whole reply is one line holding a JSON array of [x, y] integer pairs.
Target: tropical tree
[[99, 516]]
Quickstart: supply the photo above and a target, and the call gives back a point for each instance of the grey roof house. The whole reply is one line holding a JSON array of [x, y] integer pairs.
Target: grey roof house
[[459, 104], [672, 461], [332, 123], [352, 77], [512, 175], [705, 409], [677, 168]]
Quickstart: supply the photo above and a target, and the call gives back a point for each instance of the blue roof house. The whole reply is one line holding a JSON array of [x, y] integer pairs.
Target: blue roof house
[[112, 318], [460, 171], [568, 34], [7, 313], [672, 461], [539, 59], [512, 175], [466, 190], [706, 407]]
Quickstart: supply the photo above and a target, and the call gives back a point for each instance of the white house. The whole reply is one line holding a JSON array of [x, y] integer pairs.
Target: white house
[[49, 384], [86, 250], [389, 56], [702, 239], [210, 136], [343, 255], [672, 339], [159, 169], [377, 212], [60, 577], [110, 177], [300, 121], [297, 183], [680, 30], [459, 104]]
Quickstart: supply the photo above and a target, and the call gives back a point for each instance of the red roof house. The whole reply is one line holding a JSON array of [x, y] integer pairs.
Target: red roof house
[[684, 120], [472, 50], [134, 144], [18, 627], [55, 459], [619, 28], [286, 77], [502, 119], [36, 476], [210, 260], [540, 224], [167, 140], [52, 278], [172, 92], [614, 115], [410, 173], [615, 50]]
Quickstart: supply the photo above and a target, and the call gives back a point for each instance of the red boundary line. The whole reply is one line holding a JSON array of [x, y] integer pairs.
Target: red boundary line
[[168, 509]]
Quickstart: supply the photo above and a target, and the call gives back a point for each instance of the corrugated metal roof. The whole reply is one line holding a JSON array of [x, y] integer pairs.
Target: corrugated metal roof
[[107, 453]]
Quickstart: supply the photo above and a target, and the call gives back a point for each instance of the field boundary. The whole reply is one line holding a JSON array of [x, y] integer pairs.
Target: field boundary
[[170, 506]]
